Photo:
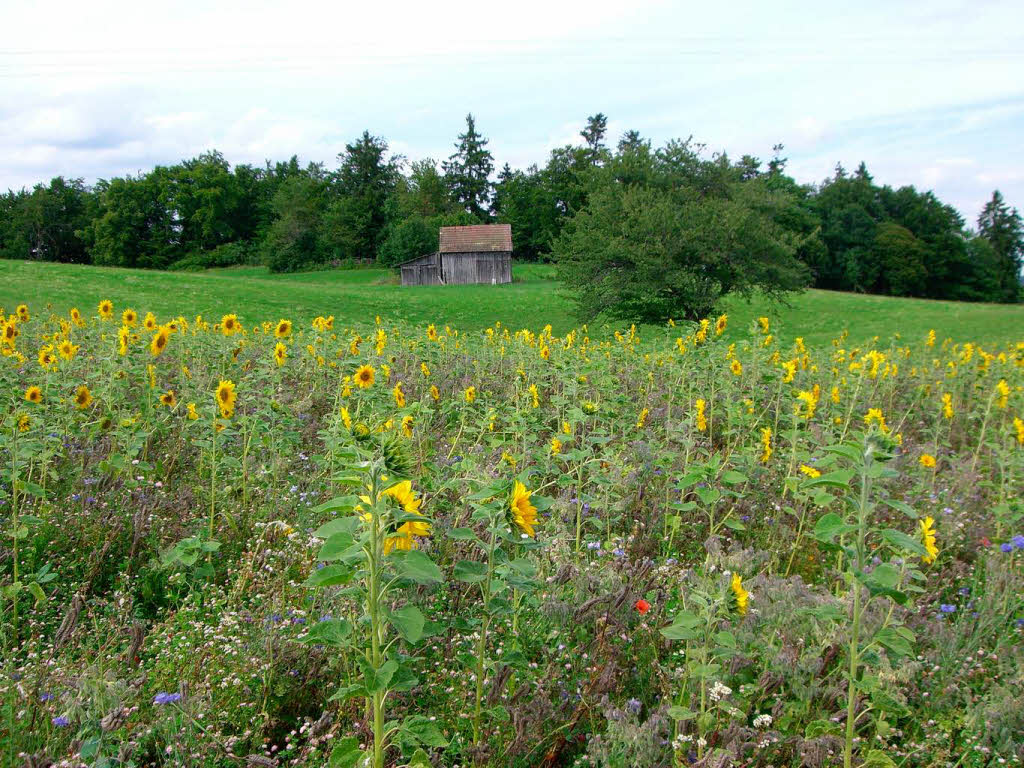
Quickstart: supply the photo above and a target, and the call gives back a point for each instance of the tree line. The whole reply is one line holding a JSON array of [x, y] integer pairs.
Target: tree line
[[700, 223]]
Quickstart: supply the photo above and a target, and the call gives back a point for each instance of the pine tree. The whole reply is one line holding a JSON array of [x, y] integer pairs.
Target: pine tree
[[468, 171], [593, 134], [1002, 227]]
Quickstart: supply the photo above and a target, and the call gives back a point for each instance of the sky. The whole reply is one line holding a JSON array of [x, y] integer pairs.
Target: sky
[[925, 93]]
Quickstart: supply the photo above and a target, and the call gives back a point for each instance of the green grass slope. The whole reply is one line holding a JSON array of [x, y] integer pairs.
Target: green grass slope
[[533, 300]]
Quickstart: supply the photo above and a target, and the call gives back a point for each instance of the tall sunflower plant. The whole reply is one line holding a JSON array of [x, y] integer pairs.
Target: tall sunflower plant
[[373, 551], [878, 565], [505, 521]]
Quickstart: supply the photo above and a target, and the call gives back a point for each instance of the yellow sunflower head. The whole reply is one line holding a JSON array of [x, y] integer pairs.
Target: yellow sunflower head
[[364, 376], [34, 394], [283, 329], [225, 396], [522, 512], [106, 309], [159, 341], [83, 397]]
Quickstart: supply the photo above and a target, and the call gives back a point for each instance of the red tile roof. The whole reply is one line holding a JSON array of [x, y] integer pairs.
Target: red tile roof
[[478, 237]]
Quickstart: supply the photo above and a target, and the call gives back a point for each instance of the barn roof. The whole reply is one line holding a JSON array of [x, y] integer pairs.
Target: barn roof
[[475, 238]]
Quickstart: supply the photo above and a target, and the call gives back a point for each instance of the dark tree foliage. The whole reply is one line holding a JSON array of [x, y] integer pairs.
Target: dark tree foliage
[[850, 232], [355, 219], [671, 243], [1001, 227], [45, 224], [468, 172]]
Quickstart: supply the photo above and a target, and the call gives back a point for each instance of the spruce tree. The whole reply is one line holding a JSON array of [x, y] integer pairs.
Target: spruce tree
[[468, 171], [1001, 226]]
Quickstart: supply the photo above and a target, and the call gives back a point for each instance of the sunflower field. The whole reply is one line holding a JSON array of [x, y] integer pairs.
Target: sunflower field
[[246, 541]]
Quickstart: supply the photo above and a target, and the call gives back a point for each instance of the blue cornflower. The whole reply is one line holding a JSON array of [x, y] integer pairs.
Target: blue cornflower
[[166, 698], [1018, 542], [1006, 547], [592, 545], [947, 608], [633, 706], [45, 696], [965, 591], [60, 721], [619, 552]]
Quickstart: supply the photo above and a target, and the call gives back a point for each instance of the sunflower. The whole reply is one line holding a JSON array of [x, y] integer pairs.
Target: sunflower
[[556, 446], [106, 309], [34, 394], [24, 422], [168, 398], [470, 394], [702, 422], [424, 369], [399, 395], [810, 471], [129, 317], [123, 337], [76, 316], [766, 444], [46, 357], [346, 418], [720, 324], [403, 536], [67, 350], [280, 354], [524, 514], [83, 398], [225, 397], [229, 325], [640, 420], [159, 341], [364, 376], [10, 332], [192, 414], [928, 539], [150, 322], [22, 313], [432, 332], [741, 595], [927, 460], [736, 367], [407, 425], [283, 329], [435, 392]]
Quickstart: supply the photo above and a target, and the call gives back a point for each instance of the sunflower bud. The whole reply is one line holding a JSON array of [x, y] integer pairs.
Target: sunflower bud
[[396, 459]]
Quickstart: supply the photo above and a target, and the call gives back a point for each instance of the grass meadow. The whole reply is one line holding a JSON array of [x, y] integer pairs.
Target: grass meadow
[[322, 520], [532, 300]]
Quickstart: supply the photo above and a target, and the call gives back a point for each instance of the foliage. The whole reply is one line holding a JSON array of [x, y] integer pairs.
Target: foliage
[[851, 233], [647, 253]]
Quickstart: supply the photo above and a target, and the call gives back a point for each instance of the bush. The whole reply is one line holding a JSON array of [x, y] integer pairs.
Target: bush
[[227, 255]]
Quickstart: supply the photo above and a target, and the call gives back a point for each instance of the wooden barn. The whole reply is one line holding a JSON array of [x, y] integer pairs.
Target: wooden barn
[[481, 253]]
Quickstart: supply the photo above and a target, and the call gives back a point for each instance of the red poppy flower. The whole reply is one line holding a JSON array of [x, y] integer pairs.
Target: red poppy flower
[[642, 606]]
